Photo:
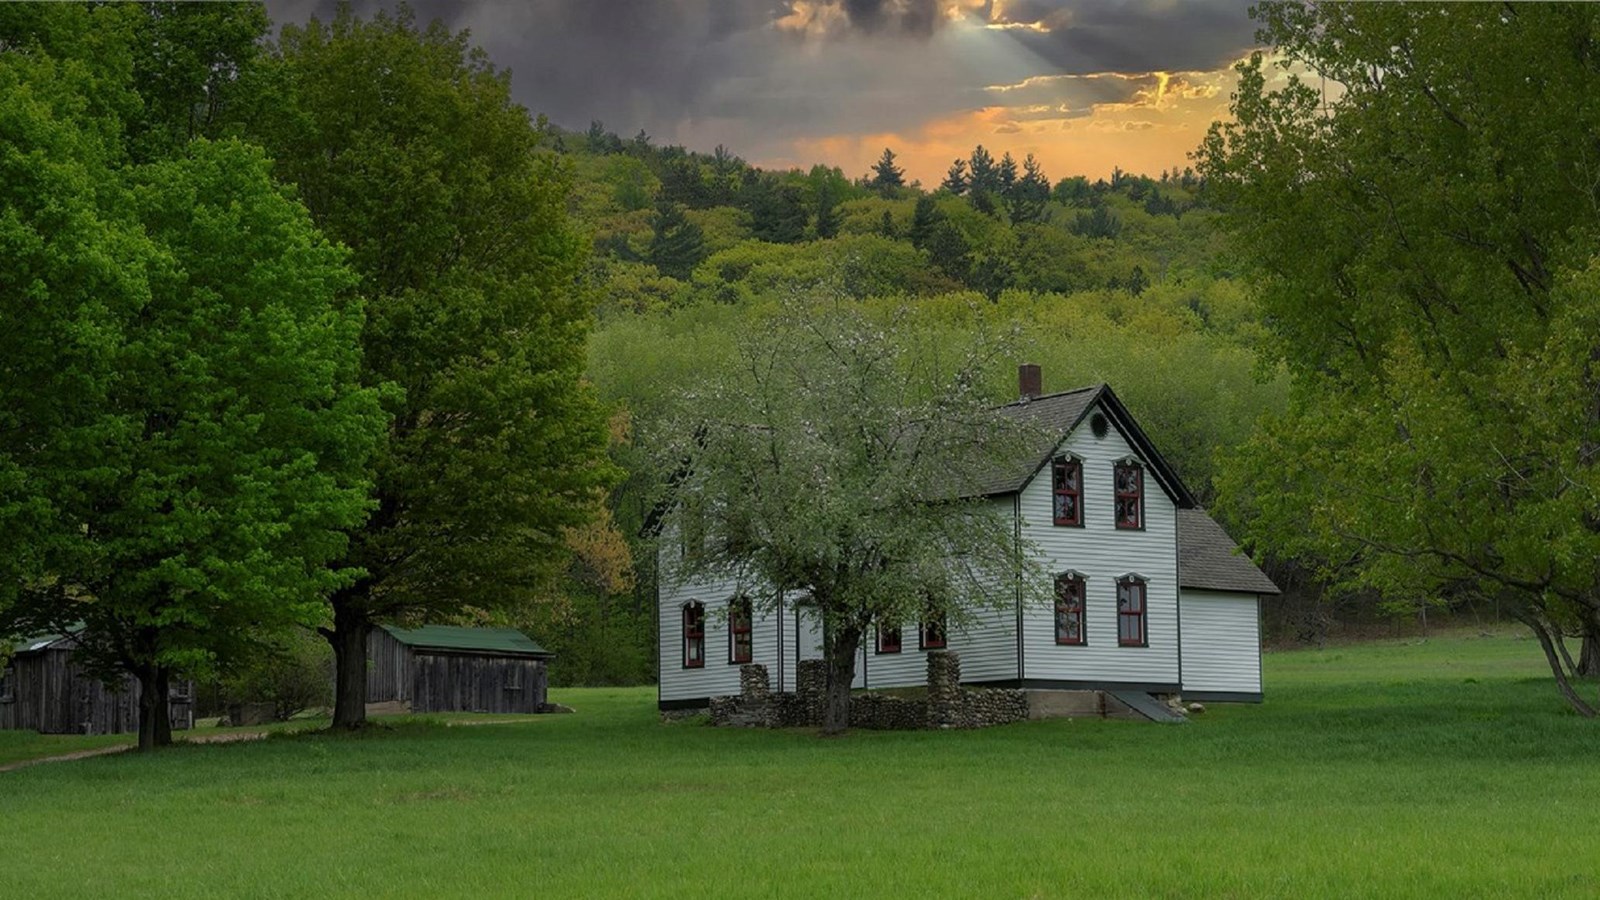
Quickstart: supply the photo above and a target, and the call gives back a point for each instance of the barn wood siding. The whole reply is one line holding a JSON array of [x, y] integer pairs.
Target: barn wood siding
[[461, 682], [389, 668], [53, 695]]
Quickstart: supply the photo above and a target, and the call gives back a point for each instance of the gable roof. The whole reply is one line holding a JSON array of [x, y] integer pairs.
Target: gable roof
[[1209, 560], [62, 640], [1056, 415], [498, 641]]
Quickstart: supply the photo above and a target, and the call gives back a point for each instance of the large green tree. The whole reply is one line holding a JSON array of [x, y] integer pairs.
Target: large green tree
[[829, 461], [406, 146], [182, 439], [1418, 221]]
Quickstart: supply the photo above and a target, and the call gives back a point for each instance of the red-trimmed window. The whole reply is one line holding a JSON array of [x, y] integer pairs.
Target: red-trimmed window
[[1069, 610], [930, 631], [1129, 492], [1130, 612], [694, 635], [888, 638], [740, 649], [1066, 487]]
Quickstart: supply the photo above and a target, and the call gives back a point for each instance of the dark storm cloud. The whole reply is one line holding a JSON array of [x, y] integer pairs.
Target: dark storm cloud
[[911, 17], [631, 63], [1130, 36], [756, 74]]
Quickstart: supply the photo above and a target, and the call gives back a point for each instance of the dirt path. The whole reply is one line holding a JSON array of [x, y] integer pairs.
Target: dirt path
[[231, 737]]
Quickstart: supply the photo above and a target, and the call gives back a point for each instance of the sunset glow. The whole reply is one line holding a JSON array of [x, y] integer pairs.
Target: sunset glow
[[1085, 87]]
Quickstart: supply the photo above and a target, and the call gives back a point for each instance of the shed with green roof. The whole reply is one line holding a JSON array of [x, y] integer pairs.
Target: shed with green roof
[[448, 668]]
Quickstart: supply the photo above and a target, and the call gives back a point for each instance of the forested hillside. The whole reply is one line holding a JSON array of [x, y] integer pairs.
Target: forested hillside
[[1118, 280]]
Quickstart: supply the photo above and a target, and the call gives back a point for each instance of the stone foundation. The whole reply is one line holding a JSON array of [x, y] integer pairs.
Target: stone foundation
[[947, 704]]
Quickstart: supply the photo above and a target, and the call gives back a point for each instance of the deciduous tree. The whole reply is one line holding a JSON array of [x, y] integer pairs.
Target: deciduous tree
[[830, 462], [407, 148], [1421, 239]]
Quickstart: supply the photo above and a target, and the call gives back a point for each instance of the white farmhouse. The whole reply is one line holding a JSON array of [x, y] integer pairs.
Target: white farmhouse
[[1151, 595]]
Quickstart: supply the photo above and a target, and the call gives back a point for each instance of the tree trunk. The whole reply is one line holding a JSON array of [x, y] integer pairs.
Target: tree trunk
[[1589, 655], [349, 639], [1557, 668], [155, 713], [841, 654]]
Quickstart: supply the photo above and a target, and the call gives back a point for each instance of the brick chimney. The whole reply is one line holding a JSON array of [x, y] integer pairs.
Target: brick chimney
[[1030, 382]]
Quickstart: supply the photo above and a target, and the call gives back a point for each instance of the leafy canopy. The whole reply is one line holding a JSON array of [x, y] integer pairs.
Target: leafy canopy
[[1422, 248], [832, 457]]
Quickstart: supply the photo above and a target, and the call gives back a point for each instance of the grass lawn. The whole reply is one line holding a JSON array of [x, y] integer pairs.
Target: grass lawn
[[1441, 768]]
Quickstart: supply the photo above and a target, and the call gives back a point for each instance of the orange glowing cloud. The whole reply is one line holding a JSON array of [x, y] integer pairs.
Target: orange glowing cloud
[[1073, 124]]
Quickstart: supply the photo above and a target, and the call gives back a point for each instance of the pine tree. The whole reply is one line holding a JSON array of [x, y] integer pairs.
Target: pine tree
[[676, 244], [926, 217], [1031, 193], [886, 176], [955, 180], [1007, 176], [984, 178], [777, 211], [827, 212]]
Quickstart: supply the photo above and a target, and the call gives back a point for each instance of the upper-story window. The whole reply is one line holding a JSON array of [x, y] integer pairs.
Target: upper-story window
[[888, 638], [1130, 612], [1066, 487], [694, 635], [1069, 609], [740, 627], [1129, 492], [930, 632]]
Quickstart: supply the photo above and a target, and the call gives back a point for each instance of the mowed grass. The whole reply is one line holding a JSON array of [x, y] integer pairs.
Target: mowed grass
[[1442, 768]]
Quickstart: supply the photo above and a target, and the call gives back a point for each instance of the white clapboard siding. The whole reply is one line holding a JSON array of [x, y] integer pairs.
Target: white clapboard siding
[[1221, 643], [719, 676], [1102, 552], [986, 643]]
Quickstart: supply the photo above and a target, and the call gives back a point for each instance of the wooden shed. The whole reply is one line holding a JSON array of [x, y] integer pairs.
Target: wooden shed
[[441, 668], [44, 689]]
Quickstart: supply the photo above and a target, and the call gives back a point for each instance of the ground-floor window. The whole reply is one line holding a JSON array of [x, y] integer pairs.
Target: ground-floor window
[[740, 649], [888, 638], [694, 635], [930, 633], [1069, 609], [1130, 612]]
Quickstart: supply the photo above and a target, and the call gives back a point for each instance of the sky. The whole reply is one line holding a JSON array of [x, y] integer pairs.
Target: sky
[[1084, 85]]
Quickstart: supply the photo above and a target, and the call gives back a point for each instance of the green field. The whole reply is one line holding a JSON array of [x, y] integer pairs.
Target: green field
[[1439, 768]]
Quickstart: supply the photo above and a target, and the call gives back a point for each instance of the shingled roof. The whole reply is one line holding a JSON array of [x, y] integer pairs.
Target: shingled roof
[[1209, 560], [497, 641], [1055, 416]]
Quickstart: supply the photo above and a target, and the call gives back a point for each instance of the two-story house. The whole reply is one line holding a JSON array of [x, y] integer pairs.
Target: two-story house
[[1150, 594]]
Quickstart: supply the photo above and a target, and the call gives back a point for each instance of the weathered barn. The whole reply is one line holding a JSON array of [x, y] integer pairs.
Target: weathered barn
[[440, 668], [44, 688]]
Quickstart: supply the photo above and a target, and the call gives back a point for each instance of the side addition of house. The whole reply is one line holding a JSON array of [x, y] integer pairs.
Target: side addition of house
[[1151, 596]]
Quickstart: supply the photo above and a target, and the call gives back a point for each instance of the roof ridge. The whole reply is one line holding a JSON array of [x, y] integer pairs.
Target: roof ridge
[[1020, 401]]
